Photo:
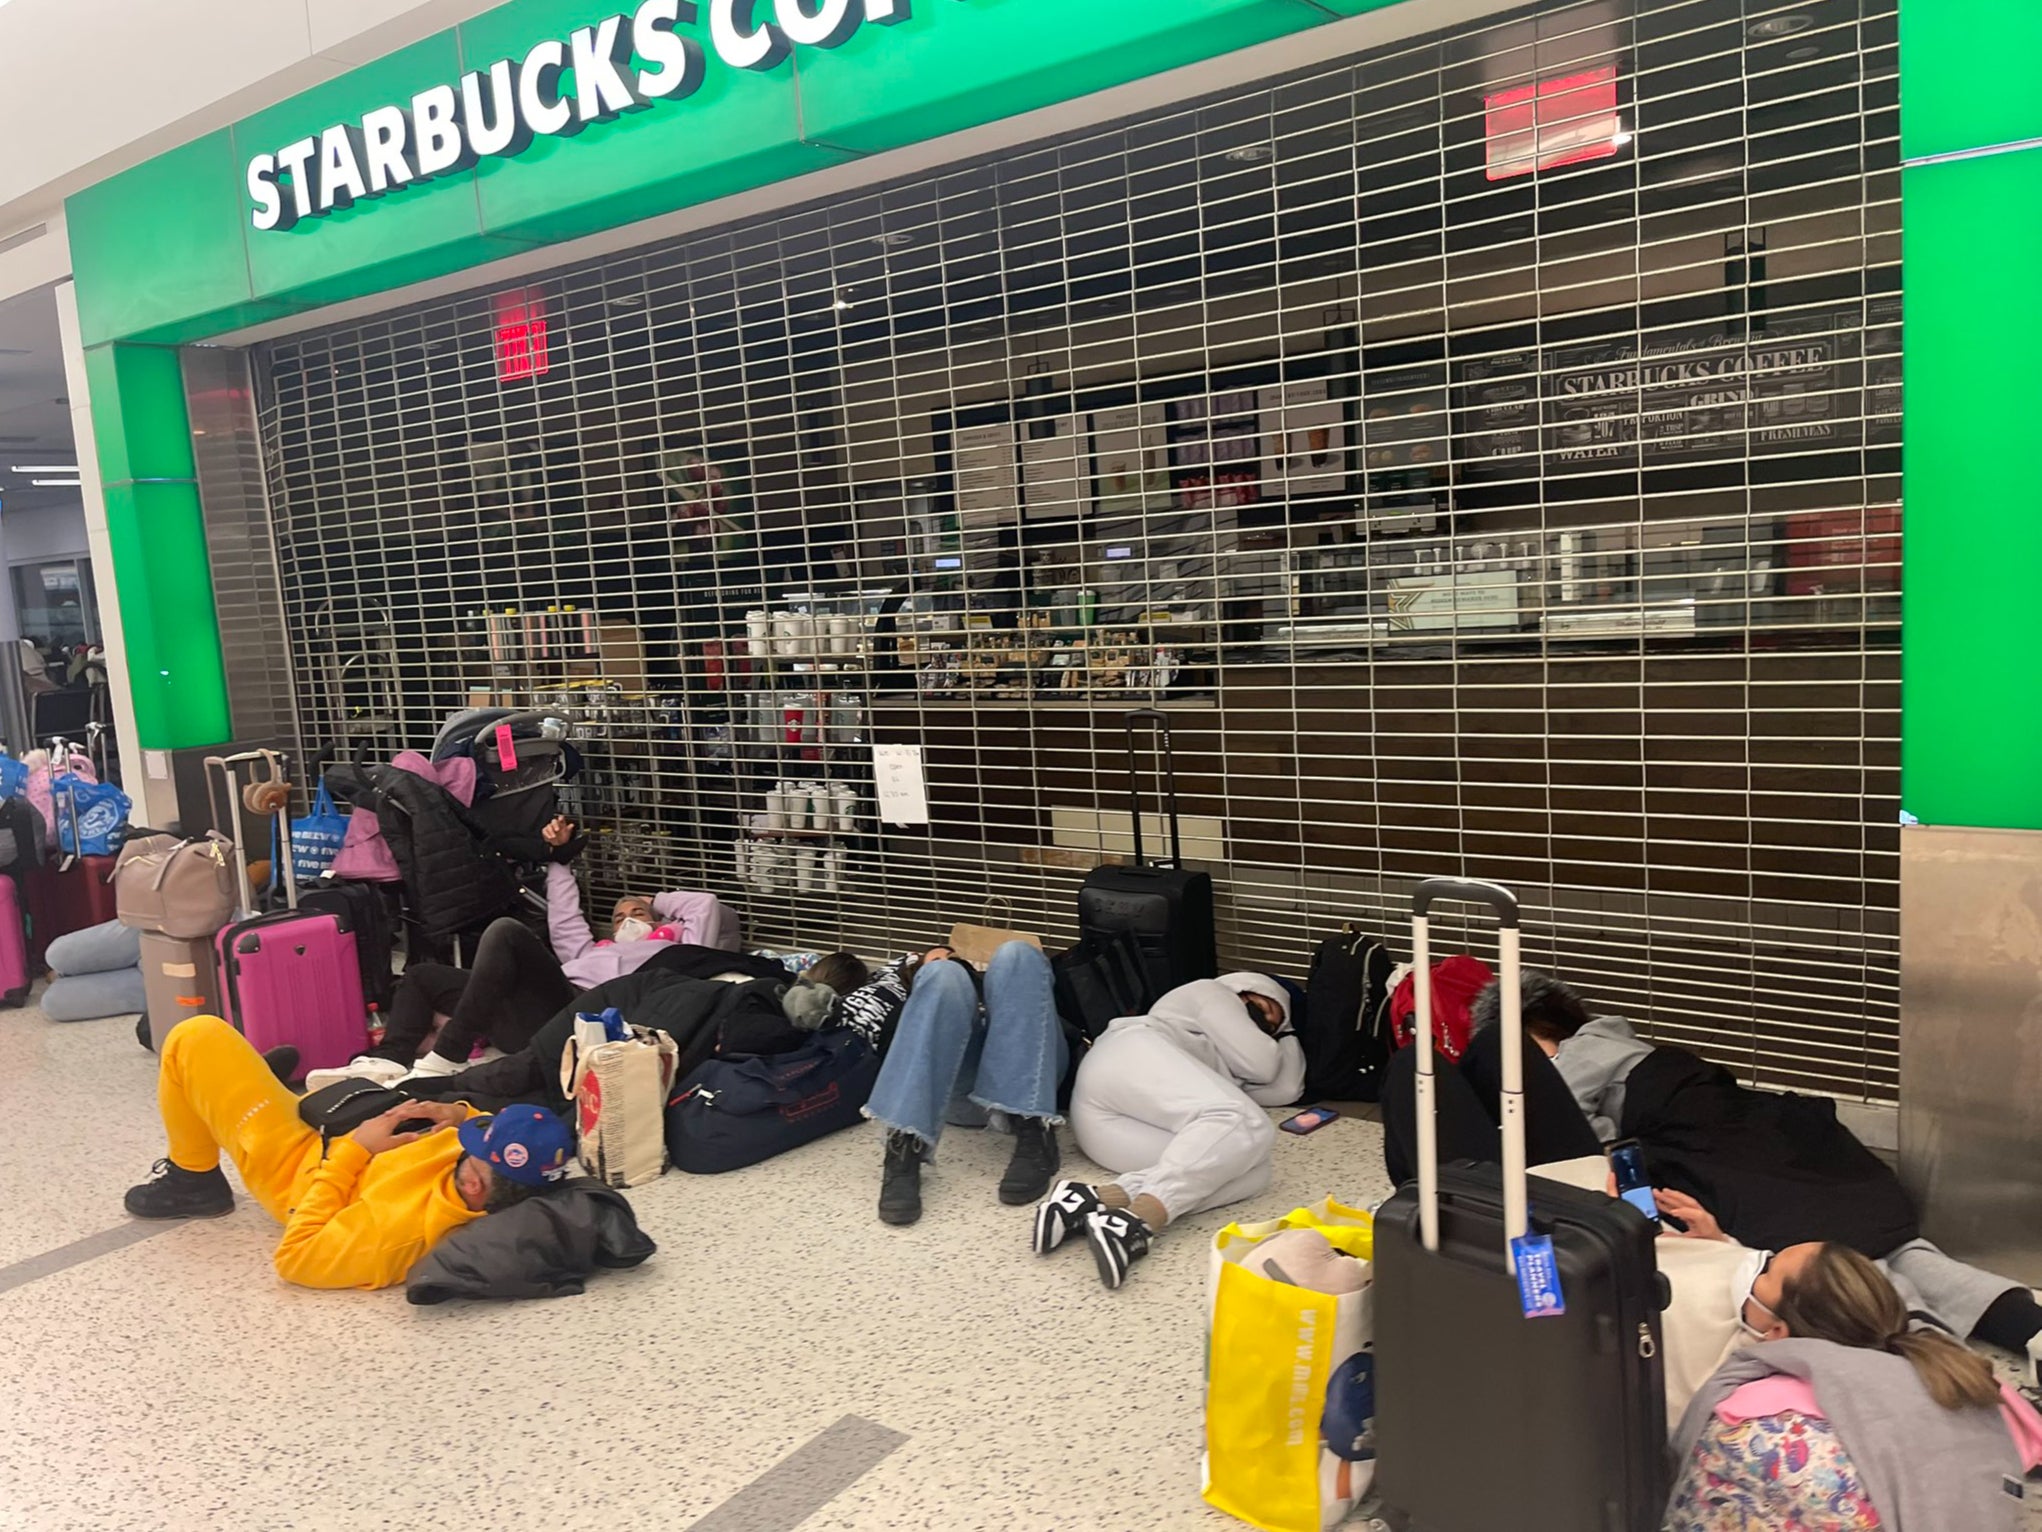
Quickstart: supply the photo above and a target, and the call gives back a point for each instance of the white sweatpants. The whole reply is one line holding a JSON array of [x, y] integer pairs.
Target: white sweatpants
[[1169, 1126]]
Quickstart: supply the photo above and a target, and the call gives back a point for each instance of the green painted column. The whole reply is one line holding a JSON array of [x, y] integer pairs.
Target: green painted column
[[158, 537], [1971, 141]]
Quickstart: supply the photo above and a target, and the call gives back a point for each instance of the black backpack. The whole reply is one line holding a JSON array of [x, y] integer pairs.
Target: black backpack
[[1346, 1026]]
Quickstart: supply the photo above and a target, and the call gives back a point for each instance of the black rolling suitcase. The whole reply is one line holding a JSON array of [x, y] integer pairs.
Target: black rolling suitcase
[[1487, 1419], [367, 910], [1165, 907]]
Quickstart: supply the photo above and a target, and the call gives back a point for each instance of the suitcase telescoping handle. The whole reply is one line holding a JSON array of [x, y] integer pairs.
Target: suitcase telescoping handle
[[1166, 772], [1516, 1189], [224, 769]]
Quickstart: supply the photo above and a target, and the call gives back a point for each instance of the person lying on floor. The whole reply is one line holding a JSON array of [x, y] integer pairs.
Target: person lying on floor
[[707, 1000], [1173, 1101], [356, 1212], [1792, 1205], [1845, 1414], [1777, 1167], [517, 983], [958, 1049]]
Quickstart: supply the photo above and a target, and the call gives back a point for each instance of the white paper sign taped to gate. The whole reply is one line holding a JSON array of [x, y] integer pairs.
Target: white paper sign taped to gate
[[903, 789]]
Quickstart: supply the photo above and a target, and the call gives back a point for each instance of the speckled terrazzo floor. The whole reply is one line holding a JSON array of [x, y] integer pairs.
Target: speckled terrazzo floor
[[174, 1384]]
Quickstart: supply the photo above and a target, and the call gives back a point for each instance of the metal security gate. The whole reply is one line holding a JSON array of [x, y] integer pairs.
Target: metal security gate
[[1486, 450]]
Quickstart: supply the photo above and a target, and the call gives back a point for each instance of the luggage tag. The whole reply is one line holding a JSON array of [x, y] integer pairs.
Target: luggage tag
[[1538, 1276], [506, 748]]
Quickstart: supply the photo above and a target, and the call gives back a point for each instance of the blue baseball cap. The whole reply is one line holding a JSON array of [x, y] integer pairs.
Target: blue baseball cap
[[526, 1144]]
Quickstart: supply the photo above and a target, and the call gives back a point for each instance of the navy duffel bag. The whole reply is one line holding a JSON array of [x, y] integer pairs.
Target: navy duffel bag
[[735, 1112]]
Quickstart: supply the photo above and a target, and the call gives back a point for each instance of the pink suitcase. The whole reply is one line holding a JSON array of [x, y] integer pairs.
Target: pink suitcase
[[294, 978], [14, 975]]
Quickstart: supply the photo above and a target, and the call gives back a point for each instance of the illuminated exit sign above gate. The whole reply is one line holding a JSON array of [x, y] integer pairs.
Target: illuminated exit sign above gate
[[626, 62]]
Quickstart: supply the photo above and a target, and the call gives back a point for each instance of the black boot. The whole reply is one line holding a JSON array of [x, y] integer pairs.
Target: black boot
[[1035, 1162], [178, 1193], [283, 1062], [900, 1187]]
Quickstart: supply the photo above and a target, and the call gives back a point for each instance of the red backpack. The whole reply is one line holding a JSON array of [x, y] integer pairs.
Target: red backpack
[[1456, 981]]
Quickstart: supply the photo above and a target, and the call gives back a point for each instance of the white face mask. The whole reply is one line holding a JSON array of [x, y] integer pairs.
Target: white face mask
[[1742, 1281], [632, 929]]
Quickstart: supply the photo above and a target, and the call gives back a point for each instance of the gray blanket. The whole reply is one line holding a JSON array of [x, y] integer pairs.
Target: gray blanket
[[1926, 1469]]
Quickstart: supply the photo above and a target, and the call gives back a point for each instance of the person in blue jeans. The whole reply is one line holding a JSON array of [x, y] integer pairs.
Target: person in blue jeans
[[970, 1050]]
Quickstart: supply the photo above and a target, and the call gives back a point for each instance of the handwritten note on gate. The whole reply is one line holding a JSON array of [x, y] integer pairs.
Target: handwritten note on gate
[[903, 789]]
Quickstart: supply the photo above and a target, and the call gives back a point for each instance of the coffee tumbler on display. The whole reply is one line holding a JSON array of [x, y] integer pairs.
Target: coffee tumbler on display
[[833, 870], [805, 870], [843, 808]]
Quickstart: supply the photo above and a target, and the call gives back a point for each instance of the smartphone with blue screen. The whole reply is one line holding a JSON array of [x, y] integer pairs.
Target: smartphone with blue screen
[[1627, 1160]]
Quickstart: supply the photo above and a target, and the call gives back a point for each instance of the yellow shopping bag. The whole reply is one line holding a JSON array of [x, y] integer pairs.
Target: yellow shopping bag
[[1276, 1353]]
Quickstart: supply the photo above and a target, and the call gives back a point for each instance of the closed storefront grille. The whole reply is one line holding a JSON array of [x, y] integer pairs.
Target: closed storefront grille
[[1485, 451]]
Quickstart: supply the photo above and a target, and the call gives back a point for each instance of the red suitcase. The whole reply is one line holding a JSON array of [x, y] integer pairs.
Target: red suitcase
[[292, 977], [15, 976], [66, 899]]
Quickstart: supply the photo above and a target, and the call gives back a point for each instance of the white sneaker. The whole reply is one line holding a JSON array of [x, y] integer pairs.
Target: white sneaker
[[433, 1067], [382, 1071]]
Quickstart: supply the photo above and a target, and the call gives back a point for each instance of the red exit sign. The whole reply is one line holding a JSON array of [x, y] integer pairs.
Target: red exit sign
[[521, 348]]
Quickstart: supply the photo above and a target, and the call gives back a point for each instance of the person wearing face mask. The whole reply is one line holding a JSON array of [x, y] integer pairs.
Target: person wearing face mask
[[1173, 1101], [518, 982], [1844, 1411], [1725, 1295]]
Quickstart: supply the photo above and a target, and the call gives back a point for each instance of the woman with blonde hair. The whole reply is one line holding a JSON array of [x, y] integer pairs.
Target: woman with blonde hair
[[1848, 1416]]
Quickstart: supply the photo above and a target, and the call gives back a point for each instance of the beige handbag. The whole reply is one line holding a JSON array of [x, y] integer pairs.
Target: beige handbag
[[976, 944], [619, 1091], [168, 887]]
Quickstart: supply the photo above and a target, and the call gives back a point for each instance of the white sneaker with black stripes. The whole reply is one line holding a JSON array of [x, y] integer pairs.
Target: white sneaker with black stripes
[[1063, 1214], [1118, 1239]]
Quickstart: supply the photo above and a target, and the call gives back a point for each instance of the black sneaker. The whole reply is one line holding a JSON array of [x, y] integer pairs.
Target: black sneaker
[[177, 1193], [283, 1063], [900, 1185], [1035, 1162], [1118, 1239], [1063, 1214]]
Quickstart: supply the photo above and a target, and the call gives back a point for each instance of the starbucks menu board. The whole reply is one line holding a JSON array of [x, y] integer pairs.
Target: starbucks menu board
[[1701, 393]]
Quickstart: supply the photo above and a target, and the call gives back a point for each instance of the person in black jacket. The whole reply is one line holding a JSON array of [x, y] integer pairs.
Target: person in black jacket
[[704, 1016]]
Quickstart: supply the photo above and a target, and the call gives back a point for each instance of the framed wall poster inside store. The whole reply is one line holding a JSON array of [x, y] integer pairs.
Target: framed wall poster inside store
[[1130, 451], [1307, 447]]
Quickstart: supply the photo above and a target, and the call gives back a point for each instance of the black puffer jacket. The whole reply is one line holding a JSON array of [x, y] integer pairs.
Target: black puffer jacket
[[452, 881], [544, 1247]]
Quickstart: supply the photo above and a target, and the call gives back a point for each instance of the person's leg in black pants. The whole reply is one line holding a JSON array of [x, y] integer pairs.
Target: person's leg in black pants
[[514, 989], [425, 992], [1554, 1126], [1470, 1108], [1466, 1130]]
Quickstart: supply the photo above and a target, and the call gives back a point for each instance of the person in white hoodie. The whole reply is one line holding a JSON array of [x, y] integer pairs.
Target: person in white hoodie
[[1173, 1103]]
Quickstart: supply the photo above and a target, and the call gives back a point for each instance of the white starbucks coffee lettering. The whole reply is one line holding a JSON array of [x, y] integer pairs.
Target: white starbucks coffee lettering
[[624, 63]]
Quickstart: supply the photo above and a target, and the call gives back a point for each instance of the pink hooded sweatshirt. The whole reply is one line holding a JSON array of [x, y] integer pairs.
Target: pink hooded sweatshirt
[[693, 917]]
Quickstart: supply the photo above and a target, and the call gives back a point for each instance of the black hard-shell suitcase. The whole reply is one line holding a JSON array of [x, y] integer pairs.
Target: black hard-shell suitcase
[[1165, 907], [1486, 1419], [367, 910]]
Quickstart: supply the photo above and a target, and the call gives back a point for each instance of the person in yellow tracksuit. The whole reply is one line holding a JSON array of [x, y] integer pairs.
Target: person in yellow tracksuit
[[357, 1212]]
